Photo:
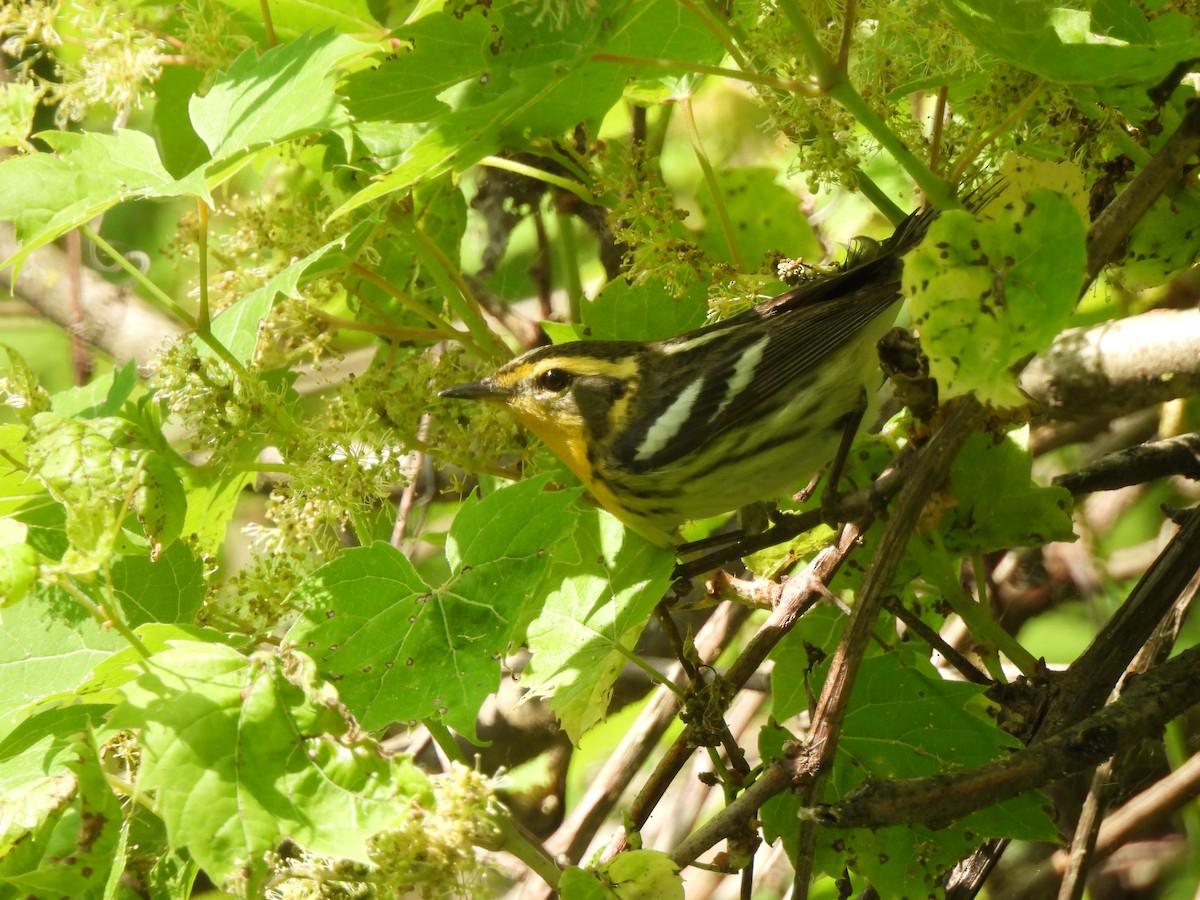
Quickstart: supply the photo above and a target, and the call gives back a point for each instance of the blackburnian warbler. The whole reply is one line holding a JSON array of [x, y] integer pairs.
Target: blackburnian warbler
[[667, 431]]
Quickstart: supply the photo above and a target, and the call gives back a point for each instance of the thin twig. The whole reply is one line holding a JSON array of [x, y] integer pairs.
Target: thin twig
[[810, 769], [1137, 465], [714, 189], [849, 17], [914, 624], [939, 124], [627, 759]]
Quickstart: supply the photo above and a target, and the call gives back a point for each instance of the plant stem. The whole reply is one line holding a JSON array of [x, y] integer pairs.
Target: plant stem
[[458, 293], [834, 83], [986, 631], [566, 184], [107, 615], [156, 295], [1014, 115], [719, 27], [407, 301], [569, 254], [710, 178], [200, 325], [695, 68], [653, 674], [264, 7], [396, 332], [203, 320]]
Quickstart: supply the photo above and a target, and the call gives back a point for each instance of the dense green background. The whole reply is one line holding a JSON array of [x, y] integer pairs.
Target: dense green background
[[252, 567]]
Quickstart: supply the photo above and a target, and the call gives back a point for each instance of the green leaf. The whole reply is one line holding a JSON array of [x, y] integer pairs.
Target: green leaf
[[632, 875], [47, 644], [69, 852], [796, 657], [1164, 242], [642, 874], [400, 650], [21, 389], [45, 195], [438, 52], [18, 103], [359, 614], [292, 18], [1075, 48], [17, 488], [997, 505], [538, 79], [104, 395], [240, 754], [579, 884], [286, 93], [560, 333], [39, 785], [158, 501], [212, 497], [173, 874], [169, 589], [904, 721], [642, 312], [19, 567], [236, 327], [182, 149], [122, 667], [42, 745], [517, 523], [45, 526], [94, 470], [607, 581], [986, 294]]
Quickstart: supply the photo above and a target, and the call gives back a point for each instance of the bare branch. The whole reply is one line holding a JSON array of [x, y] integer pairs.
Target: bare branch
[[1137, 465], [1117, 367], [1148, 704], [114, 320]]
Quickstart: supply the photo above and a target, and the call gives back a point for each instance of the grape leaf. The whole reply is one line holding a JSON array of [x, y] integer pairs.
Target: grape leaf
[[997, 505], [606, 582], [765, 216], [631, 875], [236, 327], [518, 75], [1077, 47], [47, 644], [98, 474], [45, 195], [400, 650], [986, 294], [644, 311], [240, 754], [286, 93], [904, 721], [72, 832], [292, 18]]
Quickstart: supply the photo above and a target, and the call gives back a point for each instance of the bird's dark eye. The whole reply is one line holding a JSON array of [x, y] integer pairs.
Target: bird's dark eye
[[554, 380]]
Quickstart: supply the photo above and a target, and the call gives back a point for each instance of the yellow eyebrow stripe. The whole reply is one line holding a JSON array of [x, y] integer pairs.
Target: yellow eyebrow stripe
[[582, 365]]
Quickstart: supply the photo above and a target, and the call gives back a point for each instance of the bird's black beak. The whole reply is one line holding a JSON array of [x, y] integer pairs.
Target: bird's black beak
[[476, 390]]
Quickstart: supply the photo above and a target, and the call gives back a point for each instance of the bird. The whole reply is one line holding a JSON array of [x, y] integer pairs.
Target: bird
[[738, 411]]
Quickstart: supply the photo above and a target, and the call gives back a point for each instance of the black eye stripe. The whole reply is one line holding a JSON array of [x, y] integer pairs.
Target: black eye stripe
[[554, 380]]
